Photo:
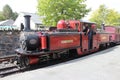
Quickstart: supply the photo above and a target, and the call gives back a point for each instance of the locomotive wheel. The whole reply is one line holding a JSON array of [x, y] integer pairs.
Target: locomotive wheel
[[23, 62], [19, 62], [26, 62]]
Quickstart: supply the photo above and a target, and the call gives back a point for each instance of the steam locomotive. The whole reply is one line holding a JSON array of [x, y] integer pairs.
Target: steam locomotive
[[68, 38]]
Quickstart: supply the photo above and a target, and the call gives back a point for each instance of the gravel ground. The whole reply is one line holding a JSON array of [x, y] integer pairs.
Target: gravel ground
[[104, 65]]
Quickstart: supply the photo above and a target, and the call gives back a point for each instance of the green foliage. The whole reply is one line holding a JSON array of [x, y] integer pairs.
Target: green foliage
[[1, 16], [55, 10], [7, 13], [113, 18], [105, 15], [14, 15]]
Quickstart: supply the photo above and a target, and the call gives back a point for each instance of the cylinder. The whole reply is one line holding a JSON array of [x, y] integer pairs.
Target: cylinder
[[27, 22]]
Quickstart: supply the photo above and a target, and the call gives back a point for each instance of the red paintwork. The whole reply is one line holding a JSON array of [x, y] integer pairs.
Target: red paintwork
[[75, 25], [33, 60], [79, 51], [64, 41], [39, 34], [43, 42], [84, 48], [61, 24], [104, 38], [84, 42], [95, 41], [115, 36], [111, 29]]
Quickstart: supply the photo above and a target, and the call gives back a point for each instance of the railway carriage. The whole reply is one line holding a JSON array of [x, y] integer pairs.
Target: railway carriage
[[115, 33]]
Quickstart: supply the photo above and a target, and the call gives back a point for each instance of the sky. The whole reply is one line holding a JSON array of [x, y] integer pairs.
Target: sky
[[20, 5], [113, 4], [94, 4], [30, 5]]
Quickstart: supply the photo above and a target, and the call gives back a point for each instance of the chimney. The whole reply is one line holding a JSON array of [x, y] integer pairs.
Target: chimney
[[27, 23]]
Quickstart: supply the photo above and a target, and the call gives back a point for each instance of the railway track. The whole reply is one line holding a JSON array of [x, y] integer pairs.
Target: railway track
[[8, 70], [8, 58], [7, 65]]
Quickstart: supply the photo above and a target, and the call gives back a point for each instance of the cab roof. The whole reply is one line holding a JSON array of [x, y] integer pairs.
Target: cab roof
[[86, 21]]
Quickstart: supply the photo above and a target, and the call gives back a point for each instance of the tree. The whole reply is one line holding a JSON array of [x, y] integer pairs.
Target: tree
[[7, 12], [105, 15], [1, 16], [113, 18], [54, 10], [15, 15]]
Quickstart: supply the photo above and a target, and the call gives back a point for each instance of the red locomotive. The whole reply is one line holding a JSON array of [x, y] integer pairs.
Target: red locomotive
[[71, 37]]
